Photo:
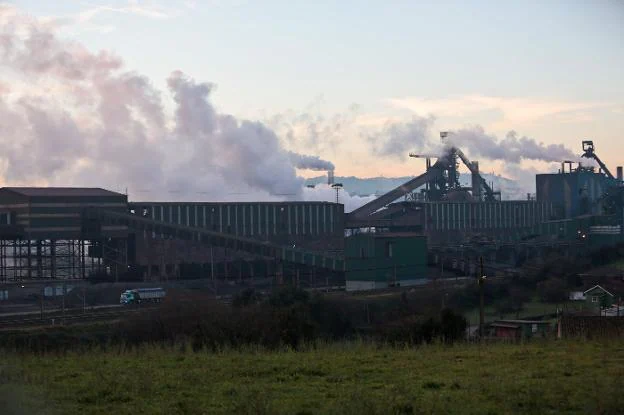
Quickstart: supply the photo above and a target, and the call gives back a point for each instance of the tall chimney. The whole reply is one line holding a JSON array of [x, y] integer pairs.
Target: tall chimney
[[330, 177], [476, 183], [620, 173]]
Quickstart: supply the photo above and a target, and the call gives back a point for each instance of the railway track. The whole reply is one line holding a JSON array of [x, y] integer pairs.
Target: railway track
[[55, 319]]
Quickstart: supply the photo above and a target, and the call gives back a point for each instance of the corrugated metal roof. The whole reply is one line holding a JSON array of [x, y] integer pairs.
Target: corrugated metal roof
[[505, 326], [62, 191], [397, 234], [521, 322]]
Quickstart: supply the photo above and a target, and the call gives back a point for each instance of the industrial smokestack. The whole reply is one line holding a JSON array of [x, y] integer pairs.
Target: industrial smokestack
[[476, 183], [620, 173], [330, 177]]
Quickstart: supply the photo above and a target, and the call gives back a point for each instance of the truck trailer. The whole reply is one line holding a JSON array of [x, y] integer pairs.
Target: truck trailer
[[142, 295]]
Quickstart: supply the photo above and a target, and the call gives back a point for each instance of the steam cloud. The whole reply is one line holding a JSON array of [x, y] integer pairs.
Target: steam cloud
[[512, 148], [398, 139], [104, 126], [301, 161]]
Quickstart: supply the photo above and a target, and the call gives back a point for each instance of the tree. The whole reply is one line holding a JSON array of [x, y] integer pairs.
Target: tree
[[552, 290]]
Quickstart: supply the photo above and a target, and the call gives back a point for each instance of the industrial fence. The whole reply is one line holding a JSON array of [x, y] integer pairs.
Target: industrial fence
[[592, 327]]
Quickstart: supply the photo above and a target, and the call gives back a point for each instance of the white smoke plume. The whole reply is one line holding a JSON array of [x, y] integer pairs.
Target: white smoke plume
[[301, 161], [323, 192], [398, 139], [511, 148], [79, 118]]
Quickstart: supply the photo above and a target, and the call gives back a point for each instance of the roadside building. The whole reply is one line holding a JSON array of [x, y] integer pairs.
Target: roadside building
[[519, 329]]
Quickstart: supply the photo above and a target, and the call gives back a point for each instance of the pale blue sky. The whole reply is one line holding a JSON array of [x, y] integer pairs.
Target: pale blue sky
[[271, 56]]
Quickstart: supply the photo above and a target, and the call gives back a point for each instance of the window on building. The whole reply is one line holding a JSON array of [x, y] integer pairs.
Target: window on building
[[595, 299], [389, 249], [362, 253]]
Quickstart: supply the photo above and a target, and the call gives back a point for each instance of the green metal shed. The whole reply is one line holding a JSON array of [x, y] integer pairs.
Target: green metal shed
[[380, 260]]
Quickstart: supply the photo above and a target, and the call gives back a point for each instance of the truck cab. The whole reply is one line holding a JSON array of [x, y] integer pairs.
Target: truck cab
[[128, 297]]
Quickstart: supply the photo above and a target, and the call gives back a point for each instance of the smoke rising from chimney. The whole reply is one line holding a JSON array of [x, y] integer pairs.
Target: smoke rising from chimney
[[511, 148], [302, 161]]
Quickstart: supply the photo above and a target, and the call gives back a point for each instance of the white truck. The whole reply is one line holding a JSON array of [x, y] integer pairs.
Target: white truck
[[142, 295]]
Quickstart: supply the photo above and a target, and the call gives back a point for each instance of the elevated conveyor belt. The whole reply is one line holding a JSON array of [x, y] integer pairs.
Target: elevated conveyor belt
[[489, 193], [237, 243], [371, 207]]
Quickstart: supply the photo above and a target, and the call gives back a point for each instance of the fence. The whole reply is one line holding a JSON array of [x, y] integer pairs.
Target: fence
[[592, 327]]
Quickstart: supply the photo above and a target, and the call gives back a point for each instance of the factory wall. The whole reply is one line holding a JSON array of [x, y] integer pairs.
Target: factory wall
[[572, 194], [57, 215], [311, 225], [441, 216], [594, 230]]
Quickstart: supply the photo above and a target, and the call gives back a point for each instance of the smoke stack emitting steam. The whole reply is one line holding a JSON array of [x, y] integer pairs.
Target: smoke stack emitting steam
[[302, 161], [512, 148]]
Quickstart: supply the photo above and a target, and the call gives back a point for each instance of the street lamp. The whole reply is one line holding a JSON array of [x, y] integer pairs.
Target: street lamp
[[481, 282], [337, 187]]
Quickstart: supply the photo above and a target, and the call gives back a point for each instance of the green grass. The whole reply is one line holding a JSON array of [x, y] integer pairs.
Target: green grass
[[344, 378]]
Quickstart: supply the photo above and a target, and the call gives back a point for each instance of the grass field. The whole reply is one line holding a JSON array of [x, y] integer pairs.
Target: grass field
[[343, 378]]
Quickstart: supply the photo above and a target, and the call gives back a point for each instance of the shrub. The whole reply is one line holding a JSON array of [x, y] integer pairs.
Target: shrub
[[552, 290]]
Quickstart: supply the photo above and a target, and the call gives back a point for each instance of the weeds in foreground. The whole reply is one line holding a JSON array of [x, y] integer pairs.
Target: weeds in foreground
[[329, 378]]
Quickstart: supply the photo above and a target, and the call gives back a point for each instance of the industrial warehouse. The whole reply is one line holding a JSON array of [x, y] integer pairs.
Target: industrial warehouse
[[61, 234]]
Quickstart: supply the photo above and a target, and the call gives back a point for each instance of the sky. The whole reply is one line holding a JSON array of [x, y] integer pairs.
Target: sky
[[341, 80]]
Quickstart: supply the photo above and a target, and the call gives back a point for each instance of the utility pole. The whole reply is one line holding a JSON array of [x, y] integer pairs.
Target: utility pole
[[481, 300], [42, 295], [442, 268], [63, 305], [212, 275]]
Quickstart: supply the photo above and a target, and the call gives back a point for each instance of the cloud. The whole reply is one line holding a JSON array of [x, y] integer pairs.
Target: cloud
[[106, 126], [312, 130], [514, 111], [398, 139], [133, 7], [91, 18]]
